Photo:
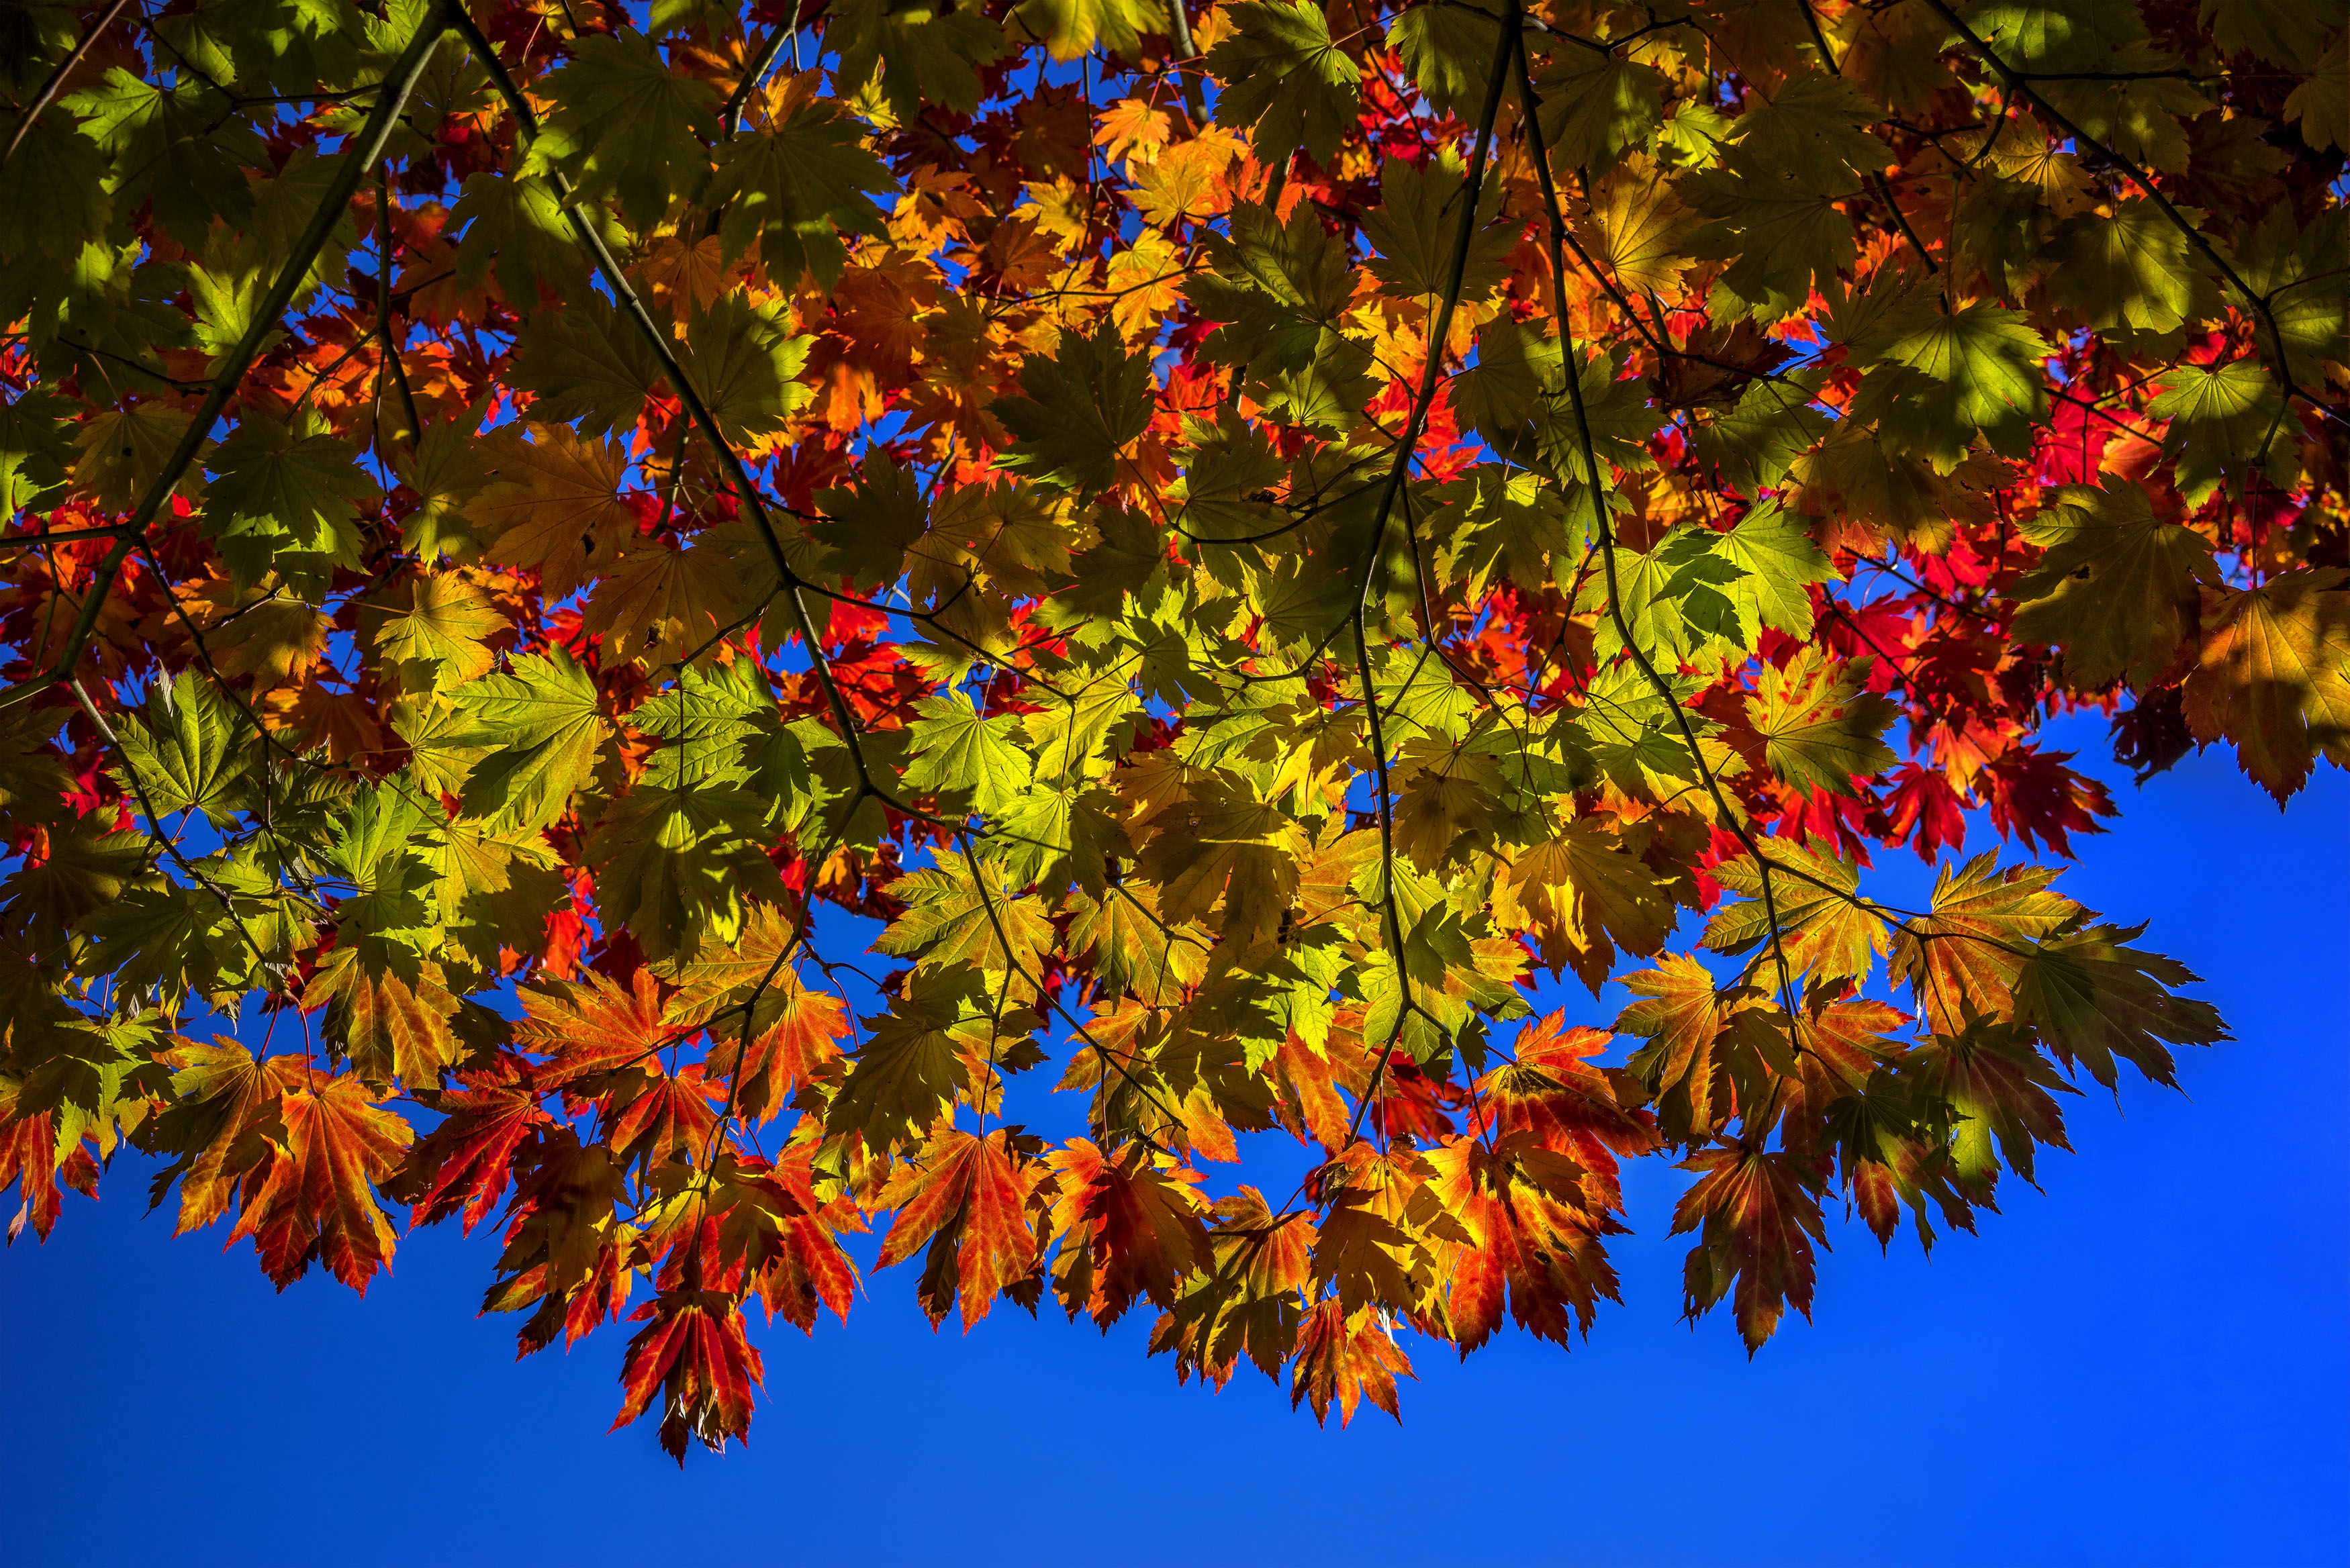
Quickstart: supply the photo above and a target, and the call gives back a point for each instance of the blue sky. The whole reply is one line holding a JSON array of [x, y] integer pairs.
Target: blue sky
[[2144, 1364]]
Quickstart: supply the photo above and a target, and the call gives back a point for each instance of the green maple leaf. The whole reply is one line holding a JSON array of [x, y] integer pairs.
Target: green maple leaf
[[678, 868], [1449, 49], [1283, 78], [1699, 594], [2093, 998], [2227, 423], [53, 197], [88, 868], [1813, 126], [228, 280], [1780, 232], [2300, 273], [1094, 714], [958, 753], [950, 921], [1282, 291], [1416, 224], [190, 750], [542, 729], [1058, 839], [1596, 105], [376, 848], [1780, 562], [1819, 726], [174, 938], [866, 531], [744, 361], [439, 620], [795, 187], [627, 128], [442, 471], [2282, 32], [1978, 370], [94, 1077], [180, 150], [1773, 424], [486, 887], [584, 366], [1491, 523], [1068, 28], [2116, 588], [1674, 598], [1826, 930], [285, 502], [2132, 269], [915, 53], [911, 1067], [519, 224], [1079, 412], [35, 448]]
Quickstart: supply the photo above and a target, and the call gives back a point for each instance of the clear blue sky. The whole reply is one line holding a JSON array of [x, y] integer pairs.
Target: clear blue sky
[[2145, 1363]]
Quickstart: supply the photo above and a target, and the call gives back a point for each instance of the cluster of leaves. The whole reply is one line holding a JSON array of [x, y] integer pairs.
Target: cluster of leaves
[[1232, 545]]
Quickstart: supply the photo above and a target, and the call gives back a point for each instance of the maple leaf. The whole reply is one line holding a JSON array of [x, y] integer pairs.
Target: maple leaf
[[798, 185], [1824, 928], [915, 55], [588, 368], [316, 1199], [1595, 105], [554, 505], [1609, 899], [286, 502], [1247, 1302], [391, 1027], [1976, 371], [1128, 1227], [1068, 28], [1820, 725], [543, 717], [467, 1159], [658, 604], [911, 1065], [2091, 997], [2128, 269], [695, 1353], [2116, 587], [965, 753], [1779, 229], [1285, 79], [1080, 410], [520, 224], [769, 1032], [563, 1247], [2274, 677], [184, 755], [1998, 1088], [440, 620], [968, 1202], [1532, 1229], [592, 1024], [1760, 1216], [1414, 228], [1347, 1357], [1683, 1015], [625, 126], [1967, 950]]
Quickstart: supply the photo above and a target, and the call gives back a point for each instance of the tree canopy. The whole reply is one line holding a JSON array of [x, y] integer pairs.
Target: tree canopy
[[680, 632]]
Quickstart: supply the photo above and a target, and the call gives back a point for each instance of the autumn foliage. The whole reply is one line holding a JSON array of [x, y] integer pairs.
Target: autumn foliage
[[642, 629]]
